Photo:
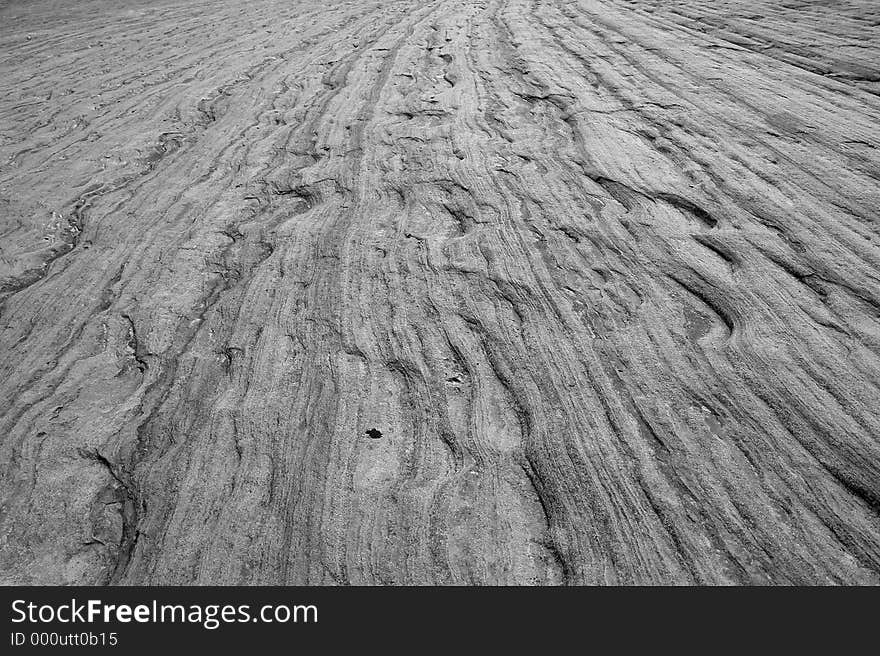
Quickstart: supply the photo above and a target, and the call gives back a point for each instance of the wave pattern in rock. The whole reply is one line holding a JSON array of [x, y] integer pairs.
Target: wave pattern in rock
[[486, 291]]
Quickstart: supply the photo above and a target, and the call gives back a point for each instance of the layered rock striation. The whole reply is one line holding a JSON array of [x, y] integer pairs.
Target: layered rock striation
[[442, 292]]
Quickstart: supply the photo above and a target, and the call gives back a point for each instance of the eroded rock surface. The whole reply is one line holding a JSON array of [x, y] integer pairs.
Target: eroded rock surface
[[485, 291]]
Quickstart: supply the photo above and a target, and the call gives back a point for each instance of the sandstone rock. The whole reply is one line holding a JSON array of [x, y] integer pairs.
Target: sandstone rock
[[390, 292]]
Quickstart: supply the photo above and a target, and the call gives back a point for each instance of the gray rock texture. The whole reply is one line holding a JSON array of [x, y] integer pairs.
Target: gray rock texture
[[450, 291]]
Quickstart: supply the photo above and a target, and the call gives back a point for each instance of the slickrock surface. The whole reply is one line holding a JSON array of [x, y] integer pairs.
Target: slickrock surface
[[484, 291]]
